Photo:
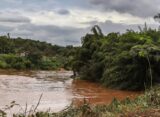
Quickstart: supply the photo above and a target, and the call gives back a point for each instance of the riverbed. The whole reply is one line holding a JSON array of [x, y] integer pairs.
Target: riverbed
[[58, 91]]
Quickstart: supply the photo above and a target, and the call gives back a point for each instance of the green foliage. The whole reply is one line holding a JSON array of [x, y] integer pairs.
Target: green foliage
[[18, 53], [3, 64], [50, 63], [125, 61]]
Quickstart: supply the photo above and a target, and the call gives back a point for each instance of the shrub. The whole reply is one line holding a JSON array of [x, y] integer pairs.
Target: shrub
[[3, 64]]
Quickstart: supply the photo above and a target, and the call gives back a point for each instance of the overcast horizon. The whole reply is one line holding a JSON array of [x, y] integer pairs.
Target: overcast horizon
[[64, 22]]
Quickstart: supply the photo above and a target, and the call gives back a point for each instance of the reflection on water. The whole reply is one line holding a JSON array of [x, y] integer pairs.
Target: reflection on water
[[58, 90]]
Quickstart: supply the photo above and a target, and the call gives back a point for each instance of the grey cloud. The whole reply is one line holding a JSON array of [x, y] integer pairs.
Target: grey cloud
[[91, 22], [14, 19], [21, 33], [109, 26], [72, 36], [141, 8], [63, 12], [5, 29], [50, 33], [62, 35]]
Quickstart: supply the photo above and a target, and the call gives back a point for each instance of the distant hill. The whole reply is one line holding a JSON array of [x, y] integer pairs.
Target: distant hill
[[21, 53]]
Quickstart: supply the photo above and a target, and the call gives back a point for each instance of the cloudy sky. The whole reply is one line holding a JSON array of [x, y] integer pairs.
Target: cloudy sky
[[64, 22]]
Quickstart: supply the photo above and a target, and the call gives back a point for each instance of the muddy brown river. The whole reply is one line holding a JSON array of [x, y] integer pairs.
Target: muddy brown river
[[57, 88]]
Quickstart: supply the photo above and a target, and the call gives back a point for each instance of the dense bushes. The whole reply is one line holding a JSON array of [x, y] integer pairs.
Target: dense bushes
[[126, 61], [11, 61], [18, 53]]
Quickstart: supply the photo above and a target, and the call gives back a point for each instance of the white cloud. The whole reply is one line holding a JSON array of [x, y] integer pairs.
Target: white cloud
[[78, 18]]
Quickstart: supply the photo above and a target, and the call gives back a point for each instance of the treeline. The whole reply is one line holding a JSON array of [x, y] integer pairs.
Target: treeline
[[18, 53], [125, 61]]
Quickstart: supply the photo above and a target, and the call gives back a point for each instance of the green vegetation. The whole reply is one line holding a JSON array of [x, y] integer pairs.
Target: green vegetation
[[125, 61], [24, 54]]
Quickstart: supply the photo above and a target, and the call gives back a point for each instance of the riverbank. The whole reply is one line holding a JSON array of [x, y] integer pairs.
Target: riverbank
[[58, 89], [30, 71], [146, 105]]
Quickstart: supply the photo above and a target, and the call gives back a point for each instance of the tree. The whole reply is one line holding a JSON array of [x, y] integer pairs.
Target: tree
[[124, 61]]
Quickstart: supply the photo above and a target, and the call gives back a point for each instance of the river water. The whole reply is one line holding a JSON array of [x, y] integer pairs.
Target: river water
[[58, 90]]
